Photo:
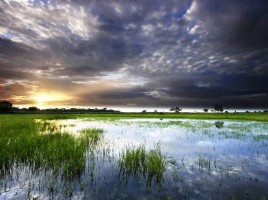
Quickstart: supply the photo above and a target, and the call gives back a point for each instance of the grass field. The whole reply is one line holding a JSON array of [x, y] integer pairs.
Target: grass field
[[232, 116]]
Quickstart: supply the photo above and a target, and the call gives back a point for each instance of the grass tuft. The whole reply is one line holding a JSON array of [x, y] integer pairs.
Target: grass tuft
[[139, 163]]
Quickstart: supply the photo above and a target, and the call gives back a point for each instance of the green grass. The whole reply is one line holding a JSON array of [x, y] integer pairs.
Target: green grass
[[137, 162], [115, 116], [43, 145]]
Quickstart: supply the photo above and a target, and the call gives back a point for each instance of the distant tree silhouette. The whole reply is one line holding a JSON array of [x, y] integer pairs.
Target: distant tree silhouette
[[176, 109], [144, 111], [5, 106], [205, 110], [218, 108], [33, 108]]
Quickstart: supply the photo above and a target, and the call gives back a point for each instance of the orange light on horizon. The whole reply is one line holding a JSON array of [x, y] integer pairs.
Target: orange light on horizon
[[44, 99]]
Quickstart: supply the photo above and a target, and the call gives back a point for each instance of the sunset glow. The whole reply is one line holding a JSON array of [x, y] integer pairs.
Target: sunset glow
[[188, 53], [44, 100]]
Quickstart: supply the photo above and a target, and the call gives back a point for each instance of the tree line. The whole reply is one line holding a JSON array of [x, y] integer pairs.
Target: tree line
[[7, 107]]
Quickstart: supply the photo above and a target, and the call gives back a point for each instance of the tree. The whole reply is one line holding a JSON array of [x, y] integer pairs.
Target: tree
[[32, 108], [176, 109], [218, 108], [5, 106], [205, 110]]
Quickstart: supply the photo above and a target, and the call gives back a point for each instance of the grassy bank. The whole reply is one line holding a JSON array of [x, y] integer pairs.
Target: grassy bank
[[212, 116], [42, 145]]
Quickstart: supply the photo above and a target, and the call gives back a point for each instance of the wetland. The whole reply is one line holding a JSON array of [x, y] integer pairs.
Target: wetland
[[132, 158]]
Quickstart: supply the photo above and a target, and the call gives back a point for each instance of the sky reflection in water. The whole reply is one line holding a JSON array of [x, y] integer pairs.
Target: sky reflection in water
[[203, 161]]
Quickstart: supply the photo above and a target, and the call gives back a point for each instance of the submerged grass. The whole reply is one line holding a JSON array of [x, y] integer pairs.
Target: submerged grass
[[261, 137], [137, 162], [91, 136], [25, 142]]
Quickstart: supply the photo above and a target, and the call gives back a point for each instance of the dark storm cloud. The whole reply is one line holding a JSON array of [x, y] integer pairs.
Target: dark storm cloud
[[242, 23], [186, 52], [124, 94], [19, 57], [115, 96]]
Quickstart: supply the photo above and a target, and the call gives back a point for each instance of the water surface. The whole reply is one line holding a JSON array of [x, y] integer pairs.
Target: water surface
[[204, 160]]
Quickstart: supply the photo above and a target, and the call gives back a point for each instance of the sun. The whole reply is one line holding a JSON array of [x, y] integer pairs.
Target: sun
[[48, 99], [40, 99]]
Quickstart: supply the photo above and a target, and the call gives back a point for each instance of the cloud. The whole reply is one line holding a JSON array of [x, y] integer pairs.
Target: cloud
[[17, 92], [241, 24], [185, 52]]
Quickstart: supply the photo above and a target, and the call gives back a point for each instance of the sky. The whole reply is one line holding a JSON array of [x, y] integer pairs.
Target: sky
[[143, 53]]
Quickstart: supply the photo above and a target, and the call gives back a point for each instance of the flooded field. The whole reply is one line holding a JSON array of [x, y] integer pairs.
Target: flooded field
[[136, 159]]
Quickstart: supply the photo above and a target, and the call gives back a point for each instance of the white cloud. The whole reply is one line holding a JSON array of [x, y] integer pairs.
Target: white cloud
[[193, 30], [148, 29], [155, 94], [32, 24], [189, 15]]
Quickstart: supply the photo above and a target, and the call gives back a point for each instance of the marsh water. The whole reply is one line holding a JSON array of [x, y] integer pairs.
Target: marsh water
[[204, 159]]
